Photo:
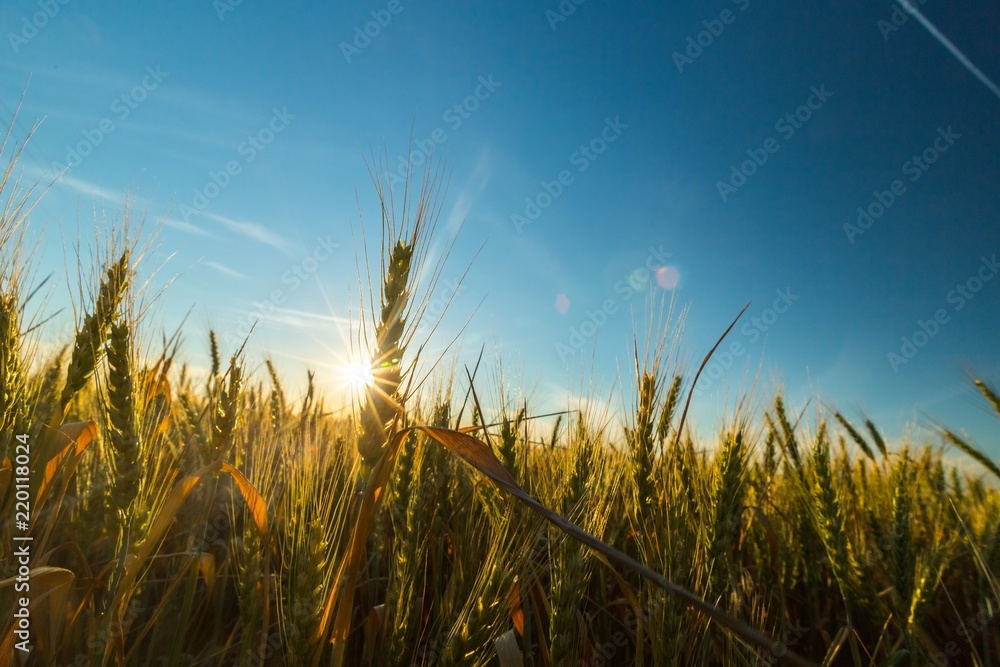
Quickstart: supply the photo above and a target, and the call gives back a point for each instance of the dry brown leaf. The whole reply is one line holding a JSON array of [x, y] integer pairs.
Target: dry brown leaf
[[72, 440]]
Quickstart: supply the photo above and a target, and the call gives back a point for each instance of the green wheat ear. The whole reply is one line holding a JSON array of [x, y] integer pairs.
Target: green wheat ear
[[12, 380], [227, 410], [88, 348], [122, 433], [382, 401], [403, 248]]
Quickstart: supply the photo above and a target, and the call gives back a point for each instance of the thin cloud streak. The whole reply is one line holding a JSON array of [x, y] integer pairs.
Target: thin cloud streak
[[961, 57], [186, 227], [304, 319], [221, 268], [253, 231]]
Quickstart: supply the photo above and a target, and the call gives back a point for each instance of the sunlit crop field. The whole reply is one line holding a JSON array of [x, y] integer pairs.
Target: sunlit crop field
[[156, 516]]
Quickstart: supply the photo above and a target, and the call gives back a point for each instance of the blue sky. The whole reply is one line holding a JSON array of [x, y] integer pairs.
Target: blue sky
[[600, 155]]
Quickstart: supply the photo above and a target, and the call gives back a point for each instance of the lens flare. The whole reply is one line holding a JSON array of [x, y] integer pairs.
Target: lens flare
[[667, 277]]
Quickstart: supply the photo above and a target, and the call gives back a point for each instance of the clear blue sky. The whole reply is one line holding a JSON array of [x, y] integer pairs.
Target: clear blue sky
[[725, 145]]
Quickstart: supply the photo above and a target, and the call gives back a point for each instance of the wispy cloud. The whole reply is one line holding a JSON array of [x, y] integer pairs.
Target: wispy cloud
[[207, 103], [68, 75], [304, 319], [185, 226], [89, 188], [474, 186], [254, 231], [221, 268], [67, 78]]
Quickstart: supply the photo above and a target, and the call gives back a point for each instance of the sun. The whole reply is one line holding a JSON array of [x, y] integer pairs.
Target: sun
[[357, 375]]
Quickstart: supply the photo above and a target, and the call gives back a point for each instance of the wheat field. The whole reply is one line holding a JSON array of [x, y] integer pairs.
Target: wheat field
[[186, 519]]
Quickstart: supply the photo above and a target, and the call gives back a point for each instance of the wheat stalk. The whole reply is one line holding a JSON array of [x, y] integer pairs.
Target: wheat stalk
[[12, 381], [382, 405], [973, 452], [227, 410], [403, 251], [829, 516], [668, 409], [277, 399], [903, 557], [123, 435], [855, 436], [990, 395], [88, 347], [729, 498], [640, 441]]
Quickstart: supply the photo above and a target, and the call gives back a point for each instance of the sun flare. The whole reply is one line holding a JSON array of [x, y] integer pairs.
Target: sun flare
[[357, 375]]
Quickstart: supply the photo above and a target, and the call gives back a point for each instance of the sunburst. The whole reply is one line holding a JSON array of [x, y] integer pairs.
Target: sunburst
[[357, 374]]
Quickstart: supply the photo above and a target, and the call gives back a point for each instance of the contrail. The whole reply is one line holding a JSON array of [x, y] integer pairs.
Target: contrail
[[908, 6]]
